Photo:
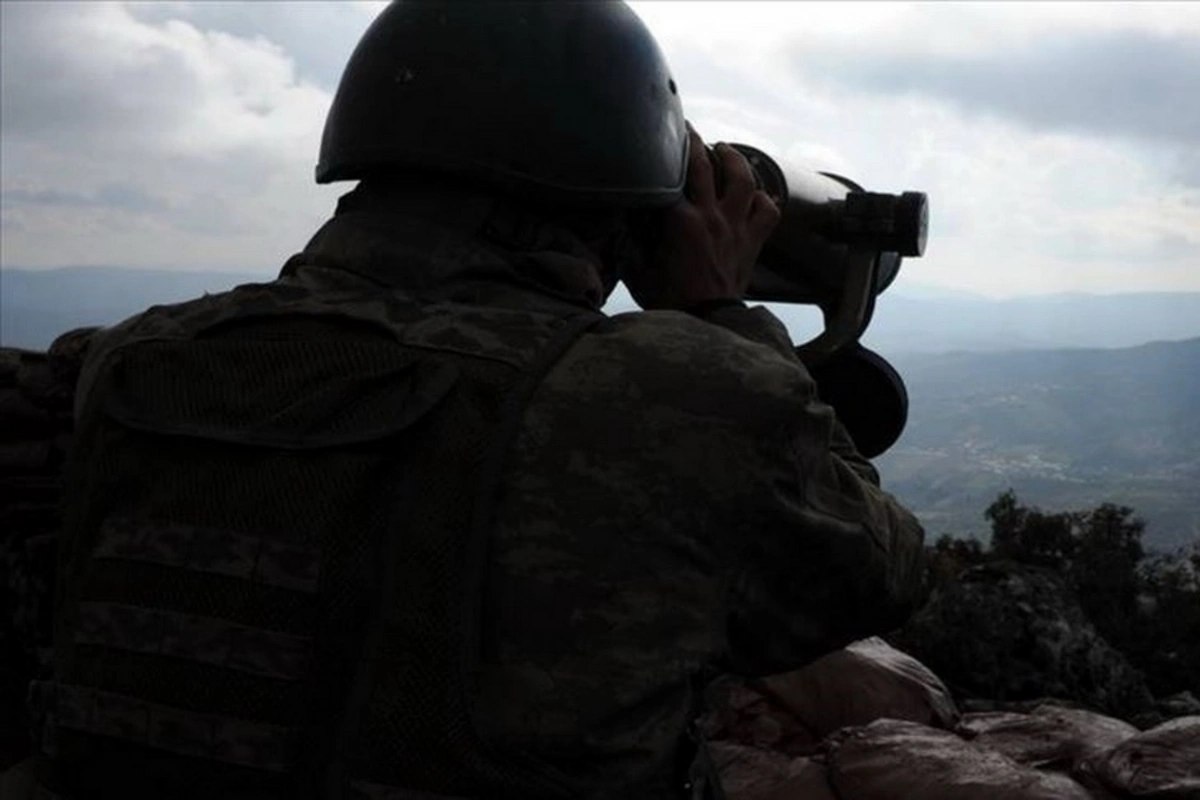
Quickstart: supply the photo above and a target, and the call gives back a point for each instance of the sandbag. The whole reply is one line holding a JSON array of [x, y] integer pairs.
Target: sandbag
[[748, 773], [866, 681], [901, 760], [1162, 763], [1051, 737]]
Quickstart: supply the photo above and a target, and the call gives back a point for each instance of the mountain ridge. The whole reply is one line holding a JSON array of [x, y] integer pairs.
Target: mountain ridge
[[1067, 429]]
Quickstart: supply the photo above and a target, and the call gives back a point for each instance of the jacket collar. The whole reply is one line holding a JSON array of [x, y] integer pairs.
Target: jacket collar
[[455, 244]]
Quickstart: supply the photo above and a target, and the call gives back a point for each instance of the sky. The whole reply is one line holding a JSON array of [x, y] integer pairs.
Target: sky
[[1059, 143]]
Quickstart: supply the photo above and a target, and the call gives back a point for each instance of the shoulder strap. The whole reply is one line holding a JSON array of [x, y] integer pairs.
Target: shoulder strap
[[410, 723]]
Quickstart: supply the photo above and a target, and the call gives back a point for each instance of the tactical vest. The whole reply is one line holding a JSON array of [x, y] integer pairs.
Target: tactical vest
[[275, 543]]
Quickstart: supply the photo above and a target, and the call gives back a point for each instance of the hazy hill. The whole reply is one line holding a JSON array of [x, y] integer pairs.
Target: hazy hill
[[37, 305], [914, 323], [1065, 428]]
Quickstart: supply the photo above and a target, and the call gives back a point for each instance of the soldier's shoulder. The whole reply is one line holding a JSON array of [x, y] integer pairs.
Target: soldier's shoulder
[[674, 359], [184, 318], [658, 337]]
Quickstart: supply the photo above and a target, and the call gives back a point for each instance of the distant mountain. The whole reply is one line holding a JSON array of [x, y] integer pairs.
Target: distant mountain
[[1067, 429], [37, 305], [930, 320], [906, 323]]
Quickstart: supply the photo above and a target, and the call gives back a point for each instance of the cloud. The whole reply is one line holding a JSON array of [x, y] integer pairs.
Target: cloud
[[112, 195], [93, 76], [137, 136], [317, 37], [1125, 83], [1017, 207]]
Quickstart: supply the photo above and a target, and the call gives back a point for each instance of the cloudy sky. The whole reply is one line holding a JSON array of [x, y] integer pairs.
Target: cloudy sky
[[1059, 144]]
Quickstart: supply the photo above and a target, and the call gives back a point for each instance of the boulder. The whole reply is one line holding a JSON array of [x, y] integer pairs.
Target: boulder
[[1183, 704], [1007, 632]]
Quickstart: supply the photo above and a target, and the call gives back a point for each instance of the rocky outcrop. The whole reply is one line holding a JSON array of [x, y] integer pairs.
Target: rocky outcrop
[[1183, 704], [36, 423], [1007, 632]]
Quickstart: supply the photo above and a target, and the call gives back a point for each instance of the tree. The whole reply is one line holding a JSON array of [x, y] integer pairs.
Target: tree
[[1165, 642], [1147, 606], [1105, 568], [1008, 519], [949, 556], [1031, 536]]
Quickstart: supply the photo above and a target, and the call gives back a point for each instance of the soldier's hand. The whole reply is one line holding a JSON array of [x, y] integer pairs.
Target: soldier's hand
[[710, 239]]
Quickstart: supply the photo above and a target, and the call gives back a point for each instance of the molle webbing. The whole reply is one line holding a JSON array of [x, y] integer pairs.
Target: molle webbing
[[273, 566]]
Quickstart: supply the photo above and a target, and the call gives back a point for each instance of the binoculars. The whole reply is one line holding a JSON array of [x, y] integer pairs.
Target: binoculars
[[838, 246]]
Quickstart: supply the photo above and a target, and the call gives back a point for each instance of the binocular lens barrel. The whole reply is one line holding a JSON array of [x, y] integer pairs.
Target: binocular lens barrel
[[825, 217], [840, 211]]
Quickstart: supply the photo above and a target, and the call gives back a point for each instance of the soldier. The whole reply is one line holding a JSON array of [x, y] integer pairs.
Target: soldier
[[417, 520]]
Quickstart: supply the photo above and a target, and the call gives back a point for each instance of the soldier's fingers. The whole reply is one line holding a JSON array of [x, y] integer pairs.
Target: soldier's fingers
[[764, 214], [700, 188], [739, 183]]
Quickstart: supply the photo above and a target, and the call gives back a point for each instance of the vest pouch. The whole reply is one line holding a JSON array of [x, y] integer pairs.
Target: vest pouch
[[223, 560]]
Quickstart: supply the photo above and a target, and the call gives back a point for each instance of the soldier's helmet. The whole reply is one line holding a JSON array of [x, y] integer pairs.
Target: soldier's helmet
[[559, 102]]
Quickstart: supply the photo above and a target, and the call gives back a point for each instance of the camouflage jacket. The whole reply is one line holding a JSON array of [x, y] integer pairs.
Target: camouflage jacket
[[677, 502]]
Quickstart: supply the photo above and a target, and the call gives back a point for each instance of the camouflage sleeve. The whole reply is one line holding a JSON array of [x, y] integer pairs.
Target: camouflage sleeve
[[835, 557], [756, 324], [762, 327]]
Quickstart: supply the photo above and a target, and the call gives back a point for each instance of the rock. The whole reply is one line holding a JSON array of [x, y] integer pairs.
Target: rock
[[10, 364], [36, 391], [1159, 764], [67, 353], [1009, 632], [861, 683], [20, 418], [900, 760], [1183, 704]]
